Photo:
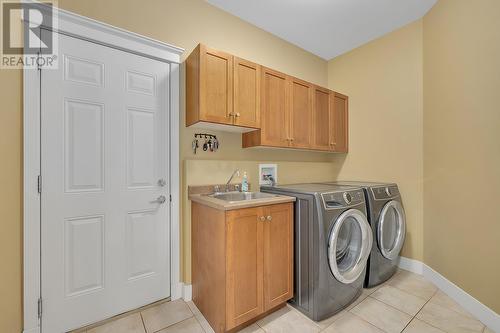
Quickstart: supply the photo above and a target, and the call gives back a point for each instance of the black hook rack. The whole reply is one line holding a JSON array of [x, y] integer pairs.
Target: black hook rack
[[205, 136]]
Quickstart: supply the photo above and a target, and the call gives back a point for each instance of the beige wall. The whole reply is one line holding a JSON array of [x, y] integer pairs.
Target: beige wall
[[184, 23], [187, 23], [454, 54], [10, 201], [462, 145], [383, 80]]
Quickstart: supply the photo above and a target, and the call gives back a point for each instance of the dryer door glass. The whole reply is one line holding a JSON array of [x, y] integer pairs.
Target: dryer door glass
[[391, 229], [349, 245]]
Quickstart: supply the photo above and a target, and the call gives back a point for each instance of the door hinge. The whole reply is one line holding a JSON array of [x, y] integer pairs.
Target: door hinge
[[39, 308], [170, 196], [38, 56], [39, 184]]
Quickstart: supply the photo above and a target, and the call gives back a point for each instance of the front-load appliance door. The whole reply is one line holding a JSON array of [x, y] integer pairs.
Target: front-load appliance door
[[391, 229], [349, 246]]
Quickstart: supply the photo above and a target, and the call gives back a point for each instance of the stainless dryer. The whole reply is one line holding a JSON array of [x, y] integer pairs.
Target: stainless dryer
[[388, 222], [332, 243]]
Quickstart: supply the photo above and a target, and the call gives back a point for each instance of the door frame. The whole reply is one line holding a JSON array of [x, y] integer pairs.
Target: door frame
[[91, 30]]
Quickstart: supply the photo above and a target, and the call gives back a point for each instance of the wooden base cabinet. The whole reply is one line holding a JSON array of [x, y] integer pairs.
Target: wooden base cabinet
[[242, 262]]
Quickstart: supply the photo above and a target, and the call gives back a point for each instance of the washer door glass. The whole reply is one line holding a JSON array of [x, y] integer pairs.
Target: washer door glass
[[349, 245], [391, 229]]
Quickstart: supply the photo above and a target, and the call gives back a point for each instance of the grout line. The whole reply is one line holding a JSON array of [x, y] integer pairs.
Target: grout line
[[415, 316], [199, 323], [391, 306], [414, 294], [183, 320], [143, 324], [423, 299], [361, 318]]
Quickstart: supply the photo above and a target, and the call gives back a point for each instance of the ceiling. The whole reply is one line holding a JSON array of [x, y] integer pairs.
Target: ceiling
[[327, 28]]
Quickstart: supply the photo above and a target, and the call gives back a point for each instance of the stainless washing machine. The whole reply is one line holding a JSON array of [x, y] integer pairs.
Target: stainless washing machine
[[388, 222], [333, 240]]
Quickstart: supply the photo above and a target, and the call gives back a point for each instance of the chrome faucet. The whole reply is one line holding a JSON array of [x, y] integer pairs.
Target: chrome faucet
[[236, 172]]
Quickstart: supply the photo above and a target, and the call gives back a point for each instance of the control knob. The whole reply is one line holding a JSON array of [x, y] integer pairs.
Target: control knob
[[347, 198]]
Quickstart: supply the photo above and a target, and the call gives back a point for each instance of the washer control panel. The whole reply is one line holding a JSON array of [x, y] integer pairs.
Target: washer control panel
[[385, 192], [339, 199]]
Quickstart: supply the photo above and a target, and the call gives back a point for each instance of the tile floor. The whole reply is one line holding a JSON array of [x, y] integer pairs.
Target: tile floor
[[406, 303]]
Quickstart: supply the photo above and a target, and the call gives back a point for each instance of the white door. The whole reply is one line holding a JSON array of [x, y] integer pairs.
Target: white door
[[105, 244]]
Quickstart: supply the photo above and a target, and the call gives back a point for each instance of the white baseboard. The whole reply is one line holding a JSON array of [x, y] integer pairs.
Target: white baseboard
[[486, 315], [176, 291], [182, 290], [411, 265], [32, 330], [187, 293]]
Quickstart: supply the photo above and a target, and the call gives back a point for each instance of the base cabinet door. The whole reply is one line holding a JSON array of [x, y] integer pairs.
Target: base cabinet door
[[278, 255], [244, 261]]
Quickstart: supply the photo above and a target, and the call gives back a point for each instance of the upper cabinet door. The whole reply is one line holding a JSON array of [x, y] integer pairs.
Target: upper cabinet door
[[216, 86], [301, 113], [246, 101], [321, 119], [278, 255], [244, 260], [339, 122], [274, 108]]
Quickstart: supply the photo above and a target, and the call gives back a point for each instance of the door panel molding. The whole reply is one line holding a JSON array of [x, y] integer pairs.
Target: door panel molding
[[104, 34]]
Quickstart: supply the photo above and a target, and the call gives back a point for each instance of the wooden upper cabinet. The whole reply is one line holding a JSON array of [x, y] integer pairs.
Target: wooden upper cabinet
[[278, 255], [301, 112], [221, 89], [339, 122], [216, 80], [321, 119], [270, 108], [244, 261], [246, 92], [274, 108]]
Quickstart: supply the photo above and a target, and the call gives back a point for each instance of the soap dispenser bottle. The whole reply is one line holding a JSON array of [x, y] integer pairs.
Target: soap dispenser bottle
[[244, 183]]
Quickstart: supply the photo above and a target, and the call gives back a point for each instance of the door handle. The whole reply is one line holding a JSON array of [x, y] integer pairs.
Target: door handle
[[160, 200], [162, 182]]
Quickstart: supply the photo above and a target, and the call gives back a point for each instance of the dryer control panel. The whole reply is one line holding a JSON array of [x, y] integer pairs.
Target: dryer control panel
[[385, 192], [333, 200]]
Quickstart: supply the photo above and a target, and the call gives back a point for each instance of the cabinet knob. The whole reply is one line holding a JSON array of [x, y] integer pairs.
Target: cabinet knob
[[269, 217], [262, 218], [237, 114]]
